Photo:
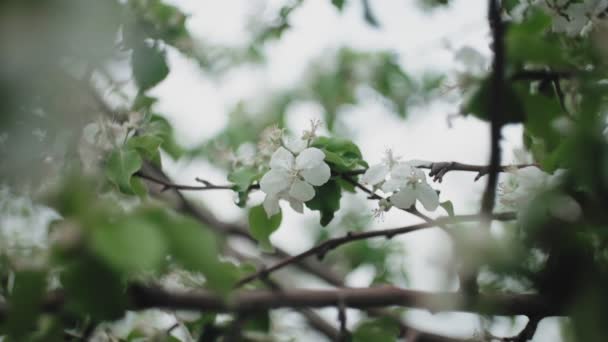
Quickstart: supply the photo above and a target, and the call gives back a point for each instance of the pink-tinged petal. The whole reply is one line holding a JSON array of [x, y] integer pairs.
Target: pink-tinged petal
[[301, 191], [271, 205], [274, 181], [281, 159], [309, 158], [404, 199], [375, 174], [427, 196], [318, 175]]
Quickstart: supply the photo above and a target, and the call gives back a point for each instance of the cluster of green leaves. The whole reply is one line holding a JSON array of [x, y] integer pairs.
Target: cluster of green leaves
[[541, 253], [100, 248]]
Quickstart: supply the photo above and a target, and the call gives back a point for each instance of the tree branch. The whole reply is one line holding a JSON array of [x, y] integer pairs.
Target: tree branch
[[323, 248], [149, 297], [496, 113]]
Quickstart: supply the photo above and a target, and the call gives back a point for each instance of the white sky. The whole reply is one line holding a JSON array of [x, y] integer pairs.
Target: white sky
[[198, 108]]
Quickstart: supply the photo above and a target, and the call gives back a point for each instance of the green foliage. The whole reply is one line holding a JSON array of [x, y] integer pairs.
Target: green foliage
[[380, 329], [130, 245], [121, 165], [448, 206], [80, 275], [147, 146], [341, 154], [326, 201], [149, 66], [261, 226], [243, 178], [339, 4], [528, 43], [159, 127], [25, 301]]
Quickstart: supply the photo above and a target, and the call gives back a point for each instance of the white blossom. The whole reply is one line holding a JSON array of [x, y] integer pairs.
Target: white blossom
[[376, 174], [408, 183], [292, 176], [523, 184]]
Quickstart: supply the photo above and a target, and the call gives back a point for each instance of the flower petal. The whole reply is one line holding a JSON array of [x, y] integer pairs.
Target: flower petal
[[418, 163], [565, 208], [427, 196], [281, 159], [375, 174], [301, 191], [271, 205], [392, 185], [402, 171], [296, 205], [274, 181], [309, 158], [404, 199], [296, 145], [318, 175]]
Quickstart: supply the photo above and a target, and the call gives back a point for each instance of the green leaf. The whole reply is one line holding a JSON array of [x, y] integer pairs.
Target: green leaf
[[341, 154], [120, 167], [148, 146], [261, 226], [448, 207], [326, 201], [243, 177], [130, 245], [261, 322], [478, 104], [196, 249], [161, 128], [94, 289], [25, 302], [339, 4], [529, 42], [149, 66], [377, 330]]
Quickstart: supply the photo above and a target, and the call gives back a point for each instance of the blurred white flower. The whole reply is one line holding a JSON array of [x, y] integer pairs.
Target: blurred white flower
[[575, 19], [292, 177], [407, 182], [523, 184]]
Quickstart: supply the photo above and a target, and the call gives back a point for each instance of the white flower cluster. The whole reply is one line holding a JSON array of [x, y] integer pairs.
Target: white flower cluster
[[523, 184], [295, 168], [571, 18], [406, 183], [102, 136]]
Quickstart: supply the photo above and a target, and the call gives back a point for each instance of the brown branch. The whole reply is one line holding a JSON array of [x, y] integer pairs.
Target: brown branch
[[541, 75], [323, 248], [438, 170], [496, 113], [168, 185], [149, 297]]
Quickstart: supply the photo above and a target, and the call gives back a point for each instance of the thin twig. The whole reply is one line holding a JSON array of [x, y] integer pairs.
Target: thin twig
[[168, 185], [323, 248]]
